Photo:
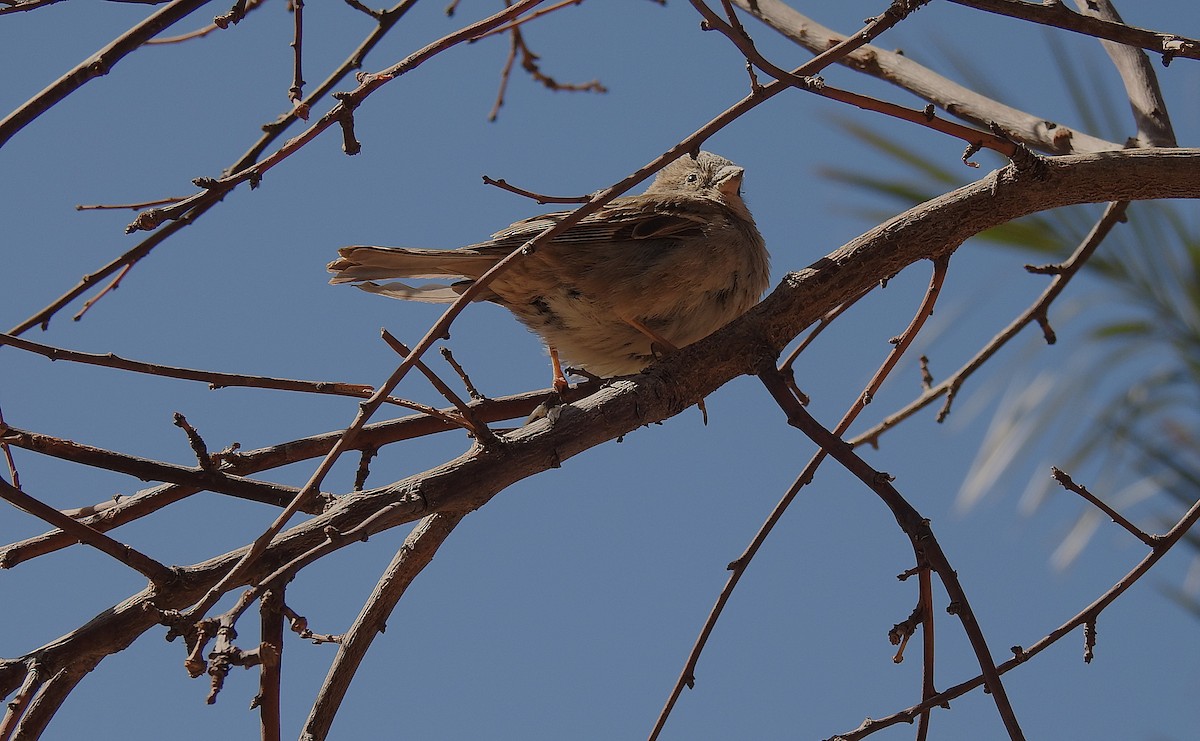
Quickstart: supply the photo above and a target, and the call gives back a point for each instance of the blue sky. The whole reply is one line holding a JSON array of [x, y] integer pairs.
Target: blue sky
[[566, 607]]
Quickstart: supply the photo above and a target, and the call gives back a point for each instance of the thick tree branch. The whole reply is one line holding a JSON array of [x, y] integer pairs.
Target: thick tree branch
[[414, 555], [1141, 83]]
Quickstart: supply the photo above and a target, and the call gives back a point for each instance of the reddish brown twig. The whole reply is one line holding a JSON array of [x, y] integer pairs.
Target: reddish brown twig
[[525, 19], [1057, 14], [517, 46], [146, 566], [462, 375], [1084, 618], [738, 567], [542, 199], [477, 427], [1069, 484], [126, 206], [950, 387], [215, 379], [296, 91], [925, 545]]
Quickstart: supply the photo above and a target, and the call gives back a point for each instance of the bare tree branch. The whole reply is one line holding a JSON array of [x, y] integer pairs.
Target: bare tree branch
[[97, 65], [1034, 131], [1141, 83], [667, 388], [1112, 29]]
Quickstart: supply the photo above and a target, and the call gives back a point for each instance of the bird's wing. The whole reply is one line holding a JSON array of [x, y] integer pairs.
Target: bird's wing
[[623, 220]]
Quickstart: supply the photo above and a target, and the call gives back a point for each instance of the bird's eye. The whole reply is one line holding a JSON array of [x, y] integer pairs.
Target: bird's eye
[[692, 177]]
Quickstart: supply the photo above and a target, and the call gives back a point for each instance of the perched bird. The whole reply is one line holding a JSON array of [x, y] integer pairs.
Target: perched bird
[[645, 274]]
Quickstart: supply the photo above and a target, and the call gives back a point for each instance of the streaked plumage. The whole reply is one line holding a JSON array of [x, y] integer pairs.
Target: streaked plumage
[[669, 266]]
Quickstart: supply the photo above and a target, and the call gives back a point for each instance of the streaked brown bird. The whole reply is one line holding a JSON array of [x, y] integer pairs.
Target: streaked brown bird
[[645, 274]]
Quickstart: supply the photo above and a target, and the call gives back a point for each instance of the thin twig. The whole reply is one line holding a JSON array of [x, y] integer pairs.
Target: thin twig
[[525, 19], [296, 91], [975, 138], [479, 429], [529, 60], [1037, 131], [1113, 214], [376, 14], [1057, 14], [214, 189], [540, 198], [462, 375], [150, 470], [215, 379], [1085, 617], [271, 131], [199, 32], [95, 65], [126, 206], [19, 703], [13, 476], [299, 625], [928, 688], [1069, 484], [131, 508], [196, 442], [143, 564]]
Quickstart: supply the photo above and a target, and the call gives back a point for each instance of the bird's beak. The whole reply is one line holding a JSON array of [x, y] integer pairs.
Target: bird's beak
[[729, 180]]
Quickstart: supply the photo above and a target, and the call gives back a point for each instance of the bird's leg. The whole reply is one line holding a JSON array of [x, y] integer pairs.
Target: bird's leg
[[553, 403], [666, 346], [559, 381]]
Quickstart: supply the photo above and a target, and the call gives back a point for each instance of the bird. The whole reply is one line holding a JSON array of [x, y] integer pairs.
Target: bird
[[643, 276]]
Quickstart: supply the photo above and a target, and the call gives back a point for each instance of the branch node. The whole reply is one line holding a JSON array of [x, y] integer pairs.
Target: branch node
[[197, 443], [1089, 640]]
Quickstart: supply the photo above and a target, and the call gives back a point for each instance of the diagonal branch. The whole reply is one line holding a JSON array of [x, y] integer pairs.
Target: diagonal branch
[[158, 574], [97, 65], [1086, 616], [925, 545], [738, 567], [150, 470], [414, 555], [1141, 83], [1057, 14], [1063, 274], [1034, 131]]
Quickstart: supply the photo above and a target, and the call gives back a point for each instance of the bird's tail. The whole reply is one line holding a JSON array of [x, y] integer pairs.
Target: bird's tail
[[364, 265]]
